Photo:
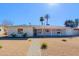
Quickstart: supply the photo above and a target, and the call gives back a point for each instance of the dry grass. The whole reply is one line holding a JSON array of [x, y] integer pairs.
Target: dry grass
[[14, 47], [57, 47]]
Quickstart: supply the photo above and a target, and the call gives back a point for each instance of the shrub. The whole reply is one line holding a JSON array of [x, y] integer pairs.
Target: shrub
[[24, 35], [0, 46], [44, 46], [13, 35], [30, 40], [64, 40]]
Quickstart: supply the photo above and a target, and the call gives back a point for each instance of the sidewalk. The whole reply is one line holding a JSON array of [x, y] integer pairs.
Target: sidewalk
[[34, 49]]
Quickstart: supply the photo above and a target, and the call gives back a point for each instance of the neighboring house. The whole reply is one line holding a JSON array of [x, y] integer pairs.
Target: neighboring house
[[38, 31], [3, 32]]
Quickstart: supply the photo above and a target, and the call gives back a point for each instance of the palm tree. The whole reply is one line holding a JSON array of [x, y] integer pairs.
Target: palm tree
[[47, 17], [41, 20]]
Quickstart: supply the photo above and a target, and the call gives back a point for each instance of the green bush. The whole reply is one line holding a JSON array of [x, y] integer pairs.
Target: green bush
[[24, 35], [0, 46], [13, 35], [30, 40], [44, 46]]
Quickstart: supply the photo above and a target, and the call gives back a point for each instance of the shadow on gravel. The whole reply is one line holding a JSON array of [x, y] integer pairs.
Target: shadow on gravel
[[25, 38], [13, 38]]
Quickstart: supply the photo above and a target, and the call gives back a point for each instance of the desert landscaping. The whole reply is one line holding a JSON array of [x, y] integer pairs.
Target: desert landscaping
[[14, 47], [32, 47], [57, 47]]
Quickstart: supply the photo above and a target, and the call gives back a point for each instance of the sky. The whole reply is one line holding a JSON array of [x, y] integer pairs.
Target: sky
[[25, 13]]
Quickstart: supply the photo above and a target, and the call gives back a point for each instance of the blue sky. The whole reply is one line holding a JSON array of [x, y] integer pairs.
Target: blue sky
[[30, 12]]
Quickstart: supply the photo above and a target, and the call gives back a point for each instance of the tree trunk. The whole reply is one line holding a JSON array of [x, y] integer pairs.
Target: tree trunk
[[47, 22], [42, 22]]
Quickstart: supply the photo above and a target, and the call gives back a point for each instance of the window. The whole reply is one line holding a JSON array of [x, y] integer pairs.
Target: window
[[39, 30], [20, 30], [5, 33], [46, 30], [58, 32]]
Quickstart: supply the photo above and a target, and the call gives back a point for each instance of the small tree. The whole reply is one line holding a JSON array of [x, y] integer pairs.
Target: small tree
[[69, 23], [6, 22]]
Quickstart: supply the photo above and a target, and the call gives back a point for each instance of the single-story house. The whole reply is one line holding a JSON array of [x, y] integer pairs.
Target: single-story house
[[55, 31], [37, 30]]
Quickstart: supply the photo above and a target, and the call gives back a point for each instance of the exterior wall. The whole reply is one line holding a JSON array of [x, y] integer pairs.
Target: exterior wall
[[50, 32], [41, 31], [76, 31], [53, 31], [28, 30], [58, 32], [2, 33], [70, 32], [44, 32]]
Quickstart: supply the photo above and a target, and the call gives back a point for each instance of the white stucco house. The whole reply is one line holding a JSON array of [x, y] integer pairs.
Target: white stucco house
[[55, 31], [19, 30], [37, 30]]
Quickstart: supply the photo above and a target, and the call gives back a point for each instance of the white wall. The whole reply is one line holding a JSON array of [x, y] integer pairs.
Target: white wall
[[2, 32], [69, 32], [51, 33], [28, 30]]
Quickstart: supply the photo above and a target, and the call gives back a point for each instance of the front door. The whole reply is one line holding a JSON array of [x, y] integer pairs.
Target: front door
[[58, 33], [35, 32]]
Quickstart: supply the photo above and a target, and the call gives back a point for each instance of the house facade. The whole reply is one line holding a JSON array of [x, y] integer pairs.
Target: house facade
[[35, 31], [55, 31], [2, 31], [19, 30]]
